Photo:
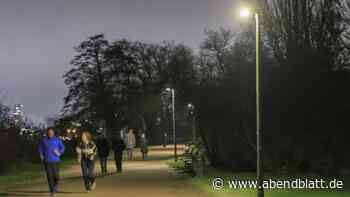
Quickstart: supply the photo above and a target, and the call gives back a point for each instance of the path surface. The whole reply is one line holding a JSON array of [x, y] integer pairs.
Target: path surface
[[151, 178]]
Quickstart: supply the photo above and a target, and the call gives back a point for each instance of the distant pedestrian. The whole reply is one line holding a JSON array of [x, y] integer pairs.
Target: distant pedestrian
[[103, 149], [87, 151], [118, 146], [131, 143], [165, 139], [123, 134], [50, 150], [144, 146]]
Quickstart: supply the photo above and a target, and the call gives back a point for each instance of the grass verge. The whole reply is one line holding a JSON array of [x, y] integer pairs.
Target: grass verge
[[26, 173], [205, 184]]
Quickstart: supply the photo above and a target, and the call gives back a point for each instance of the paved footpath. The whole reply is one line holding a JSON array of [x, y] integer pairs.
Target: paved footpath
[[152, 178]]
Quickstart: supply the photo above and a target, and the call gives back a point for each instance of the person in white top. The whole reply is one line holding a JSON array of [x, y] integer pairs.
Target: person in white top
[[131, 143]]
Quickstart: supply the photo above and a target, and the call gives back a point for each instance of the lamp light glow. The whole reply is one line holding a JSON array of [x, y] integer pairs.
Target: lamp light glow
[[245, 12]]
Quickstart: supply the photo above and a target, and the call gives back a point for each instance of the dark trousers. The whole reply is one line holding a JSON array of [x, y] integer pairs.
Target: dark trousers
[[118, 156], [52, 174], [144, 156], [103, 162], [88, 170]]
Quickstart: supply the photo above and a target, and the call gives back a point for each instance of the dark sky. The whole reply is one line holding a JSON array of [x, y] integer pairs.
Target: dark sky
[[37, 37]]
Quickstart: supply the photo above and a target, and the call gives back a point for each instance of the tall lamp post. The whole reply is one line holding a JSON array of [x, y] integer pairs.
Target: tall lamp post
[[174, 126], [192, 114], [260, 176]]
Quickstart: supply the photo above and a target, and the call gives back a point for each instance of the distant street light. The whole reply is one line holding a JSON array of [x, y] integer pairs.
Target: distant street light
[[159, 125], [191, 110], [246, 13], [174, 127]]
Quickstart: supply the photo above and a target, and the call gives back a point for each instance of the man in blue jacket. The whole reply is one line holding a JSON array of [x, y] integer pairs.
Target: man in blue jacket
[[50, 150]]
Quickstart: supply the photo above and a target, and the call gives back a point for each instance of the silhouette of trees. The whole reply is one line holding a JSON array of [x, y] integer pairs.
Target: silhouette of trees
[[305, 98], [108, 79], [4, 116]]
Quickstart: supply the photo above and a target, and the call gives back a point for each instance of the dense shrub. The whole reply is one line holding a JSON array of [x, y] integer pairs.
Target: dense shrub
[[8, 150]]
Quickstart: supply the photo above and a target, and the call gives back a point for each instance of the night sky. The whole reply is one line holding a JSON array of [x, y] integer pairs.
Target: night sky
[[37, 38]]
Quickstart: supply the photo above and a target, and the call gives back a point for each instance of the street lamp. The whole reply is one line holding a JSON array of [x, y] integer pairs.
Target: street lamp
[[174, 127], [191, 110], [246, 13], [162, 131]]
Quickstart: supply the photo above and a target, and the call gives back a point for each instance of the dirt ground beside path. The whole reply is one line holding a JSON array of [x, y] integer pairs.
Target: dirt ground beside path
[[151, 178]]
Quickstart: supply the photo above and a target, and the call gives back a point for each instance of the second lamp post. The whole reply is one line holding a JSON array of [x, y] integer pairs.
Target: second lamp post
[[173, 117]]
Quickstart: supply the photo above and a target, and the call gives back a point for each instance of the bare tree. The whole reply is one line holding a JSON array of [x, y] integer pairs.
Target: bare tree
[[305, 27]]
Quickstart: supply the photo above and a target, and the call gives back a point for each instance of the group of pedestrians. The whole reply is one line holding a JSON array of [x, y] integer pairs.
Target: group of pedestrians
[[52, 147]]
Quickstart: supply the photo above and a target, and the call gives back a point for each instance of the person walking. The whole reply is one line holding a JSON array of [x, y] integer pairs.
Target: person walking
[[165, 139], [50, 150], [118, 147], [131, 143], [87, 151], [144, 146], [103, 149]]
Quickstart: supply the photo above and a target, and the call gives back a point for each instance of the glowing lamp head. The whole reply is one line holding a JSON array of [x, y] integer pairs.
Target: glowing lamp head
[[245, 12]]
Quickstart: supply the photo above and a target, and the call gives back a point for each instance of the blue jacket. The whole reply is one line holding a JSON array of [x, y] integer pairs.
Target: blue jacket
[[47, 149]]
